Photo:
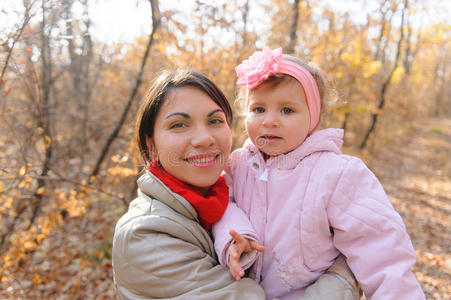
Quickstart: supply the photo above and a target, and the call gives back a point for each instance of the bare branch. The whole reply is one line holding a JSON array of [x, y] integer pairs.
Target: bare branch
[[156, 19], [16, 37]]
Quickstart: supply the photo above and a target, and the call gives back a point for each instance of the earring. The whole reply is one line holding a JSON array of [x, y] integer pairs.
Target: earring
[[154, 163]]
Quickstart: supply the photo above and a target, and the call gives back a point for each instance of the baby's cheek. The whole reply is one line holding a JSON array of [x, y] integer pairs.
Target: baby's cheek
[[251, 124]]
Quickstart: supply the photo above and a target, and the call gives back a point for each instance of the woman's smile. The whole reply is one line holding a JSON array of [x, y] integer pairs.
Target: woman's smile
[[204, 160]]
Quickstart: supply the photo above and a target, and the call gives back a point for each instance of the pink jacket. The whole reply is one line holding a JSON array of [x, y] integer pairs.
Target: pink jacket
[[306, 207]]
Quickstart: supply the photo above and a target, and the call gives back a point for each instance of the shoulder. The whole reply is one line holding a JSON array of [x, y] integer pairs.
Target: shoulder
[[139, 222], [327, 163], [240, 154], [360, 194], [332, 175], [342, 171], [352, 169], [150, 227], [147, 216], [238, 157]]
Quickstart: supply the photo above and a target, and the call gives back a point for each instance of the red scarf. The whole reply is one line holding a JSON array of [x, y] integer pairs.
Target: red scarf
[[209, 207]]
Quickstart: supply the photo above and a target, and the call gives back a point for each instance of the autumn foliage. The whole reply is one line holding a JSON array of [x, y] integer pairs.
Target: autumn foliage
[[63, 94]]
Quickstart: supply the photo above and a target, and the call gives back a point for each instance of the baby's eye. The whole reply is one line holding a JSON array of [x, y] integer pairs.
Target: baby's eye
[[258, 110], [177, 125], [287, 110]]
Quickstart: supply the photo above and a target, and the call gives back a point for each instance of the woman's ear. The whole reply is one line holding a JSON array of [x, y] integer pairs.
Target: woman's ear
[[151, 149]]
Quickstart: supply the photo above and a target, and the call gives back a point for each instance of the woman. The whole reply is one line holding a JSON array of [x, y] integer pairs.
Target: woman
[[160, 249], [162, 246]]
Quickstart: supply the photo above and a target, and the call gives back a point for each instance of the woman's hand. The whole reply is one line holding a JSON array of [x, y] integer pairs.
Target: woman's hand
[[239, 245]]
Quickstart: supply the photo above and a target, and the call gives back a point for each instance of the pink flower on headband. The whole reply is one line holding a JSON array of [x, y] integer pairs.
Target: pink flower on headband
[[259, 67]]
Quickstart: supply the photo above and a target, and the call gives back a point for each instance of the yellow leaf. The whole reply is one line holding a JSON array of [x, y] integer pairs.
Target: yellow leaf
[[36, 279], [29, 245], [29, 51], [40, 190], [48, 140], [347, 56], [372, 69], [397, 75], [22, 171], [40, 237], [98, 254]]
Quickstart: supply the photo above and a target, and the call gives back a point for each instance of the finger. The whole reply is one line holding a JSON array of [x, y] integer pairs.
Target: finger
[[239, 242], [238, 238], [257, 246], [234, 252], [235, 269]]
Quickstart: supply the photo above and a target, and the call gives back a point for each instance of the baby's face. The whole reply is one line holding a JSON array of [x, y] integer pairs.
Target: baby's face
[[277, 117]]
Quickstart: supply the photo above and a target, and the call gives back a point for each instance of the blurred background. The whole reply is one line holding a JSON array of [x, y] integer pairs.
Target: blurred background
[[73, 73]]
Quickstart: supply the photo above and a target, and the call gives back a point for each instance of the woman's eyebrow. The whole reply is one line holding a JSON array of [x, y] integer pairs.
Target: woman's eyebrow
[[185, 115], [214, 111]]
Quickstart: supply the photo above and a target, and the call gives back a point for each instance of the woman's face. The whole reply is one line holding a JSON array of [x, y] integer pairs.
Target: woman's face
[[191, 137]]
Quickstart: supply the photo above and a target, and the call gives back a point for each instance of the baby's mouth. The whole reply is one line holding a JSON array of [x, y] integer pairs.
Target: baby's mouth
[[270, 137]]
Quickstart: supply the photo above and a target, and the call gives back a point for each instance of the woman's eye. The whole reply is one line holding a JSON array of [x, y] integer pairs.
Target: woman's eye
[[258, 110], [216, 121], [287, 110], [177, 125]]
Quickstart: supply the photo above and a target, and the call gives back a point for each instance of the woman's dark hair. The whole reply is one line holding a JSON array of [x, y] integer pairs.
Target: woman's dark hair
[[156, 96]]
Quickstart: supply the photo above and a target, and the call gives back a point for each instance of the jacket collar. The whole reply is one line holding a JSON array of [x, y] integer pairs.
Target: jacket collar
[[151, 186], [329, 140]]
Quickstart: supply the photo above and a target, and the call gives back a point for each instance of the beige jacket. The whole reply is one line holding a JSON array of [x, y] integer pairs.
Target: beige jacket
[[161, 251]]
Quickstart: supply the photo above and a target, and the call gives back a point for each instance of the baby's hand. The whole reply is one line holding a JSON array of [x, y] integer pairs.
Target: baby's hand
[[239, 245]]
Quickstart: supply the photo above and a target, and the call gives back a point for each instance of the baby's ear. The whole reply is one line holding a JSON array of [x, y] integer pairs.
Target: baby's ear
[[151, 150]]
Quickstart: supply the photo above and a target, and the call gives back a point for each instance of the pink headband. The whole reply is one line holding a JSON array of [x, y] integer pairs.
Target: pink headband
[[262, 64]]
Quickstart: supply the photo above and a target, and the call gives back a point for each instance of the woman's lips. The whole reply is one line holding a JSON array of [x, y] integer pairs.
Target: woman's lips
[[203, 160]]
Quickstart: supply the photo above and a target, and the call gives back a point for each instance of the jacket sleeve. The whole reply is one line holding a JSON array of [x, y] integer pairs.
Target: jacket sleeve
[[233, 218], [151, 263], [372, 235]]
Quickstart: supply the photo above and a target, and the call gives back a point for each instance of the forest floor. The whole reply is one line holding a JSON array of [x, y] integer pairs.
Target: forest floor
[[416, 173], [414, 167]]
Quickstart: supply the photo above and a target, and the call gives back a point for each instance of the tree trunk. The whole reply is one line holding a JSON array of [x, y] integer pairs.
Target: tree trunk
[[386, 83], [407, 56], [293, 28], [156, 19], [44, 114], [245, 22], [86, 86], [439, 79], [382, 31]]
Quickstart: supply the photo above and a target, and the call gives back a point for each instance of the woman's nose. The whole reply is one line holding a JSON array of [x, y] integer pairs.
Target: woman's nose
[[202, 137]]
